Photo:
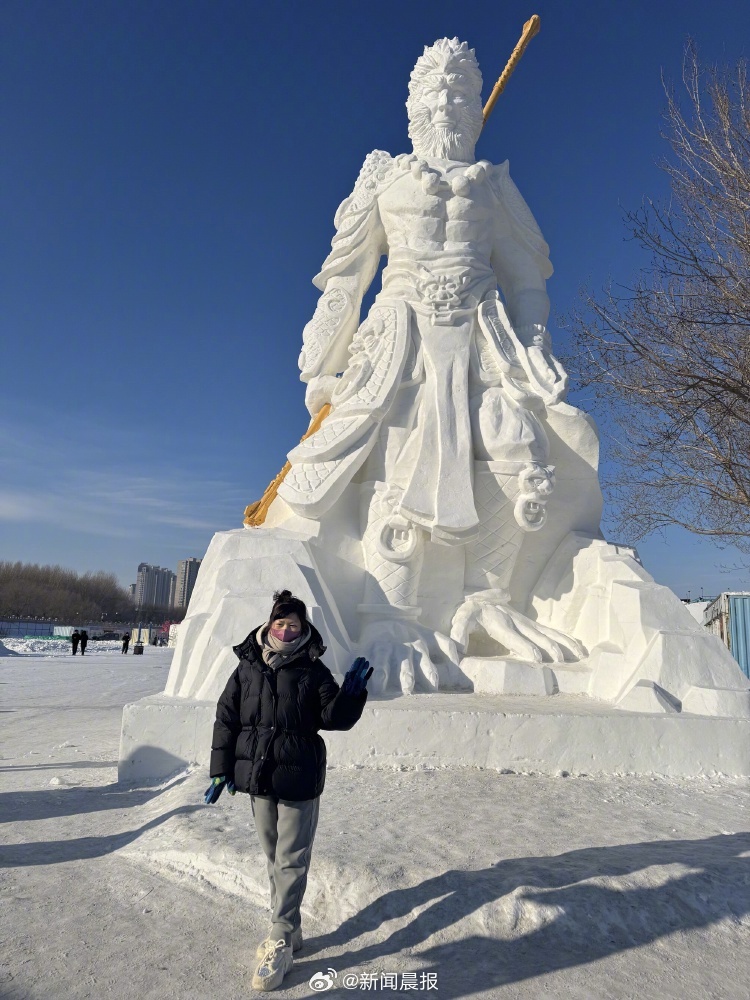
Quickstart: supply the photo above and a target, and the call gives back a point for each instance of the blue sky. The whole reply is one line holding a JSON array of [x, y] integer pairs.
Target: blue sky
[[168, 179]]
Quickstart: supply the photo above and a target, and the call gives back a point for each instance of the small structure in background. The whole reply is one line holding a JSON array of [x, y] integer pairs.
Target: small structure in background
[[174, 629], [18, 628], [728, 617], [697, 608], [145, 634]]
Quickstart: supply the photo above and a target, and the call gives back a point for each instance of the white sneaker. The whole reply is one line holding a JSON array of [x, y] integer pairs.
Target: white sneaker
[[276, 962], [296, 944]]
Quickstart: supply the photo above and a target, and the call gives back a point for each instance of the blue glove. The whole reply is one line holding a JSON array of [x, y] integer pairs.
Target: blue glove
[[355, 681], [216, 787]]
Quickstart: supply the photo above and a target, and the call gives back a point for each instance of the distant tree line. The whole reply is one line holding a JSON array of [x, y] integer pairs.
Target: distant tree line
[[33, 591]]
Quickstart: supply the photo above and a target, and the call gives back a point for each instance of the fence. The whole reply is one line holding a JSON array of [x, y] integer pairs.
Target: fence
[[17, 628]]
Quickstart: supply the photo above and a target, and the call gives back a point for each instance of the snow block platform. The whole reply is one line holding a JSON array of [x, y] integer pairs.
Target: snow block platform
[[162, 734], [655, 693]]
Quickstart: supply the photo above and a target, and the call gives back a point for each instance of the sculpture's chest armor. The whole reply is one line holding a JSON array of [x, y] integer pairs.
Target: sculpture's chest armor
[[441, 219]]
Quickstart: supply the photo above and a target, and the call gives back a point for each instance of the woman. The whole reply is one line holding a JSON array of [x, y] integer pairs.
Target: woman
[[266, 743]]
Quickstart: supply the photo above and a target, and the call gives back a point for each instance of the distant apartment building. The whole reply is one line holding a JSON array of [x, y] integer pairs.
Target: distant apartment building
[[154, 586], [131, 591], [187, 573]]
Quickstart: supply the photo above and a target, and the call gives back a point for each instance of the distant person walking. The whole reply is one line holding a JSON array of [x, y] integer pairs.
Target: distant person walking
[[125, 641], [84, 640], [75, 639]]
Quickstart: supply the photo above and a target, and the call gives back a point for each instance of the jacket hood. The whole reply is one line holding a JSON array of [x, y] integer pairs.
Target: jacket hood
[[249, 649]]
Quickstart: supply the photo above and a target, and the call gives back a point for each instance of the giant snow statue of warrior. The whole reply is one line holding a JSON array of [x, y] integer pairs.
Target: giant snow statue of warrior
[[442, 515], [439, 412]]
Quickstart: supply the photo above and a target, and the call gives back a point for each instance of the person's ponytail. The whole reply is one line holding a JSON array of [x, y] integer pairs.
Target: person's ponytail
[[284, 603]]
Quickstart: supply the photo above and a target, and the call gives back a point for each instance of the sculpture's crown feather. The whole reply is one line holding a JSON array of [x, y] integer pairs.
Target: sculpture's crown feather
[[447, 55]]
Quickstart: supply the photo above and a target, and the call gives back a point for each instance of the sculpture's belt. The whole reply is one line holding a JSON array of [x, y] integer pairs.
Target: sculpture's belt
[[442, 288]]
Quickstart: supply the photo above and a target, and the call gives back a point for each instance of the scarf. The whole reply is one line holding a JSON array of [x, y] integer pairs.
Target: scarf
[[277, 653]]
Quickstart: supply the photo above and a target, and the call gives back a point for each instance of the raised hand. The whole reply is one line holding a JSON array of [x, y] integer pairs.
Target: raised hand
[[355, 681]]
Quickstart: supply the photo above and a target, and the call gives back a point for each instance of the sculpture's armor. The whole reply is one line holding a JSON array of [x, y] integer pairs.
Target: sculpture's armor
[[436, 335], [424, 226]]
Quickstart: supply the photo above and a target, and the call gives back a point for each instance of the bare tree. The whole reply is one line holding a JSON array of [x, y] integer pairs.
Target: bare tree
[[668, 360]]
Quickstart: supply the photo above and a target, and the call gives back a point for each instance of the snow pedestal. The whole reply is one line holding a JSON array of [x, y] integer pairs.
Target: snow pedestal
[[544, 736], [655, 694]]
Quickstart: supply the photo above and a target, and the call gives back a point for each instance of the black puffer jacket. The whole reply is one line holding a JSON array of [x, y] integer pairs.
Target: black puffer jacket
[[267, 722]]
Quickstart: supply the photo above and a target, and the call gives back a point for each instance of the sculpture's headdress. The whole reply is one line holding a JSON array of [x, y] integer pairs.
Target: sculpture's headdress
[[447, 56]]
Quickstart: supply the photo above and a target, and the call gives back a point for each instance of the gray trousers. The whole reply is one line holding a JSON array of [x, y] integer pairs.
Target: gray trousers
[[286, 831]]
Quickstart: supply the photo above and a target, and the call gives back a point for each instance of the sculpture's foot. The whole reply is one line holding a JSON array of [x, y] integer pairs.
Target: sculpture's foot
[[400, 655], [526, 639]]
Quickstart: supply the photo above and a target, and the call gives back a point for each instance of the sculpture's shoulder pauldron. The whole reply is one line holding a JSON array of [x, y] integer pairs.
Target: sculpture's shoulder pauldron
[[376, 172], [523, 223], [357, 220]]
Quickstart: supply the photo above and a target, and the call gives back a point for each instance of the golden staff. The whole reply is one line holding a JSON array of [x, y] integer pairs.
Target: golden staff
[[530, 29], [255, 513]]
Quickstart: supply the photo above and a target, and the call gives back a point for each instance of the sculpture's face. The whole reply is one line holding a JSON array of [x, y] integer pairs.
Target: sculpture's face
[[445, 95], [445, 103], [445, 118]]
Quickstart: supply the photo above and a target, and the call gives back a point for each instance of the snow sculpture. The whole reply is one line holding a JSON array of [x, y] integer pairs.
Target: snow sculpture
[[443, 520]]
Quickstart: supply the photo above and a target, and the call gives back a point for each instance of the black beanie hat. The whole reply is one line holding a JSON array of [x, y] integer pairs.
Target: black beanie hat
[[285, 604]]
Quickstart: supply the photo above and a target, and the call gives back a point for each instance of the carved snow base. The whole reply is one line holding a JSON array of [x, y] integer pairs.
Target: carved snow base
[[504, 675], [657, 684], [162, 735], [232, 594], [646, 652]]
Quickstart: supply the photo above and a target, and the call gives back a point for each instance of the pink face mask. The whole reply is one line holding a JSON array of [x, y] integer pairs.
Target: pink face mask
[[284, 634]]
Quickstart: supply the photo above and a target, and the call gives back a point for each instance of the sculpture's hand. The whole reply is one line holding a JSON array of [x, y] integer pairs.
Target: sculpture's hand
[[535, 335], [522, 637], [543, 369], [319, 391], [400, 654]]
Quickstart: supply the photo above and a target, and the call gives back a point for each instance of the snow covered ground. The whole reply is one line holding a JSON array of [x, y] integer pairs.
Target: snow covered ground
[[499, 885], [56, 647]]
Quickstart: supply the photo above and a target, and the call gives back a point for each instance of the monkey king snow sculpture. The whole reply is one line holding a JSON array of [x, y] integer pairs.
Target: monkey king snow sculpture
[[441, 375], [448, 505]]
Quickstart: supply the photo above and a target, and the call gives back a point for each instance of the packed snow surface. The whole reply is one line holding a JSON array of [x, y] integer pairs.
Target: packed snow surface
[[499, 885], [59, 646]]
